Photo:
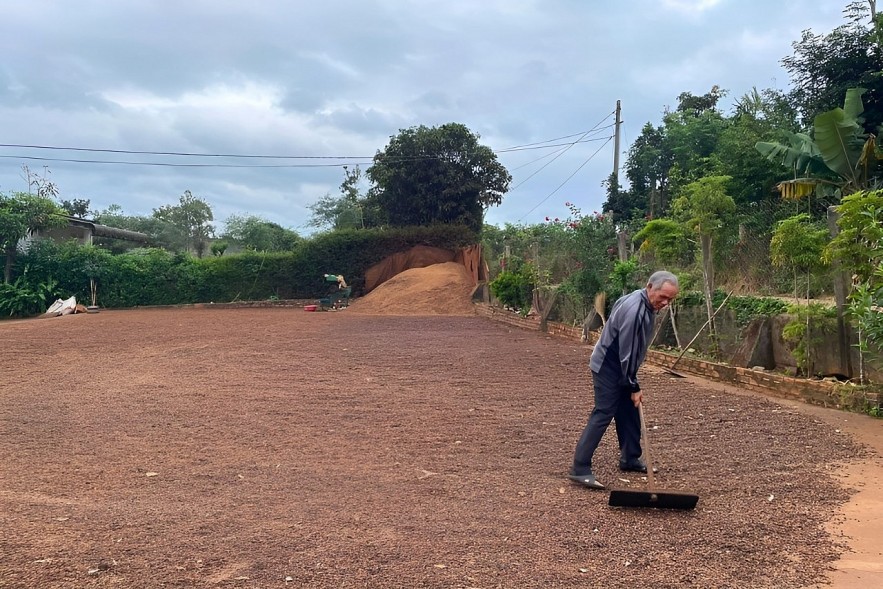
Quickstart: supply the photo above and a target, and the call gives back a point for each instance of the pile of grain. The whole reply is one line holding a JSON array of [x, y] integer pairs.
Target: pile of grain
[[440, 289]]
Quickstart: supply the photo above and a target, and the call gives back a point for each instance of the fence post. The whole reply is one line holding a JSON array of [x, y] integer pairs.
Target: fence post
[[841, 281]]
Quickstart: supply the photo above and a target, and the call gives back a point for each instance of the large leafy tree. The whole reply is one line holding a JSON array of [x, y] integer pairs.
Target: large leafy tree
[[192, 217], [665, 158], [254, 233], [428, 175], [77, 207], [20, 215], [758, 116], [693, 132], [824, 67], [647, 169]]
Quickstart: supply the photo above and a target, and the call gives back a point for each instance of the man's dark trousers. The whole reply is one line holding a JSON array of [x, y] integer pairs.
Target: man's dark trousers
[[611, 402]]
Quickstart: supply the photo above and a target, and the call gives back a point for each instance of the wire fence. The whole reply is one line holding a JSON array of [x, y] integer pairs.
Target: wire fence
[[742, 260]]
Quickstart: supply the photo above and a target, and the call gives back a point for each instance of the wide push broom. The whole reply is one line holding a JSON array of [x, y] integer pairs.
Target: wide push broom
[[651, 497]]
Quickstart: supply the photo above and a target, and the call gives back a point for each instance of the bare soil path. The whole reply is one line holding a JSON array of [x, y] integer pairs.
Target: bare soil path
[[277, 448]]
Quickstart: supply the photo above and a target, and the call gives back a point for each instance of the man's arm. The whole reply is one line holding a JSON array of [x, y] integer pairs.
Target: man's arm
[[628, 327]]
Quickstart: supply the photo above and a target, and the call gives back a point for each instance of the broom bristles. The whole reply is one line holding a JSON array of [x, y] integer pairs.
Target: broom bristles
[[600, 302]]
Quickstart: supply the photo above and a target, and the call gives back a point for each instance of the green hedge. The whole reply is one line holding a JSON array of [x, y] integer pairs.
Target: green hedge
[[156, 277]]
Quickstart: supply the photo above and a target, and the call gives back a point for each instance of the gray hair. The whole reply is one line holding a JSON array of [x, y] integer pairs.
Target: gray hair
[[660, 277]]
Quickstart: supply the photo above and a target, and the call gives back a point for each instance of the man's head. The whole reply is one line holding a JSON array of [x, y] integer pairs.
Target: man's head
[[662, 288]]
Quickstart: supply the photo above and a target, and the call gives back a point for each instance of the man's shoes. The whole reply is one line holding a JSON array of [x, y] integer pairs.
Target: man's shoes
[[634, 466], [586, 480]]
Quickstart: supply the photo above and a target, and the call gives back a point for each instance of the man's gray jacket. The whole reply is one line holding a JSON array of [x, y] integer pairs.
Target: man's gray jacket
[[626, 337]]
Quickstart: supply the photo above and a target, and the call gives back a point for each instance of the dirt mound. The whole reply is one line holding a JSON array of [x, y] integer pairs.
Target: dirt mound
[[439, 289]]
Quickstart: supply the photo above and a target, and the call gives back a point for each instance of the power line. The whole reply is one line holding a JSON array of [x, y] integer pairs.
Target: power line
[[542, 157], [580, 134], [341, 161], [550, 145], [540, 145], [184, 153], [566, 180], [558, 154], [173, 165]]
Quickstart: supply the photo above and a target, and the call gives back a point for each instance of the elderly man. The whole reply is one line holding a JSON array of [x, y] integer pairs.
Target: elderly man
[[615, 361]]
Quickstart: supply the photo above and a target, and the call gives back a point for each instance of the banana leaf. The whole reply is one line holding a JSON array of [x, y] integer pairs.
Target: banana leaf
[[840, 138], [802, 156]]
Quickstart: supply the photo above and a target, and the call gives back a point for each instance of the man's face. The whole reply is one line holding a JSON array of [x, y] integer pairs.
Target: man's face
[[661, 297]]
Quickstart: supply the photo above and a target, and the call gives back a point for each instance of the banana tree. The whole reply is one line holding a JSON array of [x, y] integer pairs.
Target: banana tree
[[838, 157]]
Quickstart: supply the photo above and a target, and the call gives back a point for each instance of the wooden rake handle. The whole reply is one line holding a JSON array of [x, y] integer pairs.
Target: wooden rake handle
[[651, 482]]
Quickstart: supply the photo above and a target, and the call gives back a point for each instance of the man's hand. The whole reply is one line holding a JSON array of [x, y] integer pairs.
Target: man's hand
[[637, 398]]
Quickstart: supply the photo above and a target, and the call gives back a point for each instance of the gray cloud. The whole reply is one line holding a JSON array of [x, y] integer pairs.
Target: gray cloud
[[339, 78]]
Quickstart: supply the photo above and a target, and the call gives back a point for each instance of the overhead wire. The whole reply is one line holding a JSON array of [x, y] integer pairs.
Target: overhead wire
[[609, 139], [183, 153], [563, 151], [347, 159], [542, 157], [340, 161], [174, 165]]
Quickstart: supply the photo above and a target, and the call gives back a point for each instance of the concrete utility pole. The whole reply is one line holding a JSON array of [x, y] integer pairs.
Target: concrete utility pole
[[616, 143]]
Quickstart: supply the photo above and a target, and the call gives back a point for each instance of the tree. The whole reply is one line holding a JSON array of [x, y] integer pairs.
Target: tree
[[665, 239], [162, 234], [254, 233], [858, 246], [839, 157], [20, 215], [346, 211], [623, 206], [436, 175], [859, 243], [594, 247], [692, 133], [798, 242], [758, 116], [824, 67], [704, 207], [664, 158], [647, 169], [78, 207], [191, 217]]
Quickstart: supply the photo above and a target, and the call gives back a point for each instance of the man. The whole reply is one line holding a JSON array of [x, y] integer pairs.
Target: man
[[618, 354]]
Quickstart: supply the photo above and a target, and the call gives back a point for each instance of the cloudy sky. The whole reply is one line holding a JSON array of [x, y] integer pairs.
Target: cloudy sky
[[326, 83]]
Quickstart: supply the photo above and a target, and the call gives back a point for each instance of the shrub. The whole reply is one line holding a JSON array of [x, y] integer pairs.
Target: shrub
[[811, 326], [514, 289], [23, 299]]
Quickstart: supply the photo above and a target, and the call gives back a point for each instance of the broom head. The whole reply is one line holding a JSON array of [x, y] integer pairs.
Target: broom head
[[660, 499]]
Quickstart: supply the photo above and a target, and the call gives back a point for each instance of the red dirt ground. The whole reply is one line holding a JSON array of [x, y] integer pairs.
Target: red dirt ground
[[274, 448]]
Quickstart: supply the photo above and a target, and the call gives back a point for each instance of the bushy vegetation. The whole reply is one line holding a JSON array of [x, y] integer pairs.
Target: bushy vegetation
[[153, 276]]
